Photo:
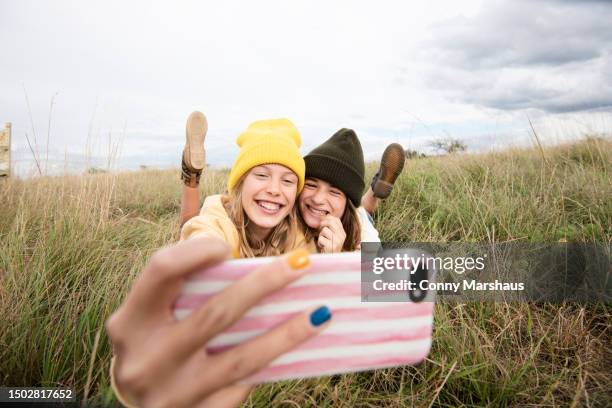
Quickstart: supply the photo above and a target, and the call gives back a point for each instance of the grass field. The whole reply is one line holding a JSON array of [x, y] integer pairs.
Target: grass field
[[70, 247]]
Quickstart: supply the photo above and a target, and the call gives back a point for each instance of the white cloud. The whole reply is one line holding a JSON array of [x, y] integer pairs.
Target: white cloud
[[555, 56], [144, 66]]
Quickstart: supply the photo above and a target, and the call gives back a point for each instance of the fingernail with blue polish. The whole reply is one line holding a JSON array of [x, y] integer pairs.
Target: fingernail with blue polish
[[320, 316]]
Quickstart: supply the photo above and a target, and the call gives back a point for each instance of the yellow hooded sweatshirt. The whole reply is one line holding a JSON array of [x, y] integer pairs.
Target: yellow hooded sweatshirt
[[213, 221]]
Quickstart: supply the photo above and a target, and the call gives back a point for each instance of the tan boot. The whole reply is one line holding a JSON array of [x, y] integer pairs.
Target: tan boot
[[391, 165], [194, 155]]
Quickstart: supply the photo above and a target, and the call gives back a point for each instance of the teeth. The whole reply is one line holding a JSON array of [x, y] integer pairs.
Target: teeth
[[320, 212], [269, 206]]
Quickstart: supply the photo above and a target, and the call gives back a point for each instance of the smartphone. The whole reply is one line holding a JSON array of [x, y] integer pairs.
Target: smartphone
[[361, 335]]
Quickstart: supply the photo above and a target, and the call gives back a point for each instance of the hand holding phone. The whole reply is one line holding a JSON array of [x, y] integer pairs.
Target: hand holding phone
[[159, 361], [360, 336]]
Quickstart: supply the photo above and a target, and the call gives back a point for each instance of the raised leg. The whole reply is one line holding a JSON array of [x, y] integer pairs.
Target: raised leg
[[369, 202], [192, 164], [190, 203]]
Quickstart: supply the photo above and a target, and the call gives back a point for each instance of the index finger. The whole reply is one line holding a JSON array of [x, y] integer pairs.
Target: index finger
[[331, 222], [157, 287], [328, 219]]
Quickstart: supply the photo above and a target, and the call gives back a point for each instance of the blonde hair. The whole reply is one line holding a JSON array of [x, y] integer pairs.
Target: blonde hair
[[350, 223], [281, 239]]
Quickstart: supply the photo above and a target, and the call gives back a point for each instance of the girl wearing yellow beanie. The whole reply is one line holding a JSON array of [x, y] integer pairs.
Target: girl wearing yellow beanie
[[258, 216]]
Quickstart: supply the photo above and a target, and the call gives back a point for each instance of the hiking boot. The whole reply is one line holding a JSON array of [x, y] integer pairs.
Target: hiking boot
[[194, 155], [391, 165]]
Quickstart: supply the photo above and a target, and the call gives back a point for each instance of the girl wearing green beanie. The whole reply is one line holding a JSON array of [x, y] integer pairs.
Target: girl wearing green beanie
[[331, 205], [330, 202], [332, 192]]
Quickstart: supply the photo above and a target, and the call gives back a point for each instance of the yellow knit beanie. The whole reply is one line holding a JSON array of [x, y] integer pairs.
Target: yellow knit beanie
[[272, 141]]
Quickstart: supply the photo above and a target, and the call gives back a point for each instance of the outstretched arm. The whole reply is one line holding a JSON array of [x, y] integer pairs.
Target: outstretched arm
[[162, 362]]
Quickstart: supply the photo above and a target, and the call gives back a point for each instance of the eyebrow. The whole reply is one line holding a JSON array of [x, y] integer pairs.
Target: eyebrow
[[317, 180]]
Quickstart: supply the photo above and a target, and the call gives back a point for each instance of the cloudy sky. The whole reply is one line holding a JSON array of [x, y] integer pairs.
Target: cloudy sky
[[106, 75]]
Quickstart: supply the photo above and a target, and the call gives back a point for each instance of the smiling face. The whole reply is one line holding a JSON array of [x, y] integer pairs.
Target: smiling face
[[268, 195], [318, 199]]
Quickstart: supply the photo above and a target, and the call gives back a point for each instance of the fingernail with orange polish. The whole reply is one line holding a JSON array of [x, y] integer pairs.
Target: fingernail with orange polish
[[299, 259]]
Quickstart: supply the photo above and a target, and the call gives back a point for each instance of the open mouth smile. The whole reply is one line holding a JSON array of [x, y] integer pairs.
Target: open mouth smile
[[316, 212], [269, 207]]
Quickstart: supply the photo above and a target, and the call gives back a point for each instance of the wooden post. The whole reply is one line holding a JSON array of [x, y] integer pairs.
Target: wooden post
[[5, 150]]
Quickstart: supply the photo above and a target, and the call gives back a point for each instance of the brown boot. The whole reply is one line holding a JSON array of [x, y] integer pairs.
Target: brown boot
[[391, 165], [194, 155]]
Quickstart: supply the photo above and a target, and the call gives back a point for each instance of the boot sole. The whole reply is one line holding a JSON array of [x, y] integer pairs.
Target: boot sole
[[196, 129], [391, 166]]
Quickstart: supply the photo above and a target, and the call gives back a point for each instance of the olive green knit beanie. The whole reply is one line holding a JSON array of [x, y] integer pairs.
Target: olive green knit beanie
[[339, 161]]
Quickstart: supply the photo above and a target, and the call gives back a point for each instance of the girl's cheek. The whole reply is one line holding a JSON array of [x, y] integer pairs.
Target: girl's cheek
[[290, 201], [291, 193]]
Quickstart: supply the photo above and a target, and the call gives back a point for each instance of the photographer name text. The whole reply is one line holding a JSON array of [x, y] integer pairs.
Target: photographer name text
[[406, 285]]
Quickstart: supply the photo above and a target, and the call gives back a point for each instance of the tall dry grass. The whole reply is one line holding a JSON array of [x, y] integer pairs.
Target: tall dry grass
[[71, 246]]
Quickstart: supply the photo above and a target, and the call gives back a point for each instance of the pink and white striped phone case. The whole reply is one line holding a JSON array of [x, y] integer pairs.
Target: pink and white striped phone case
[[361, 335]]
